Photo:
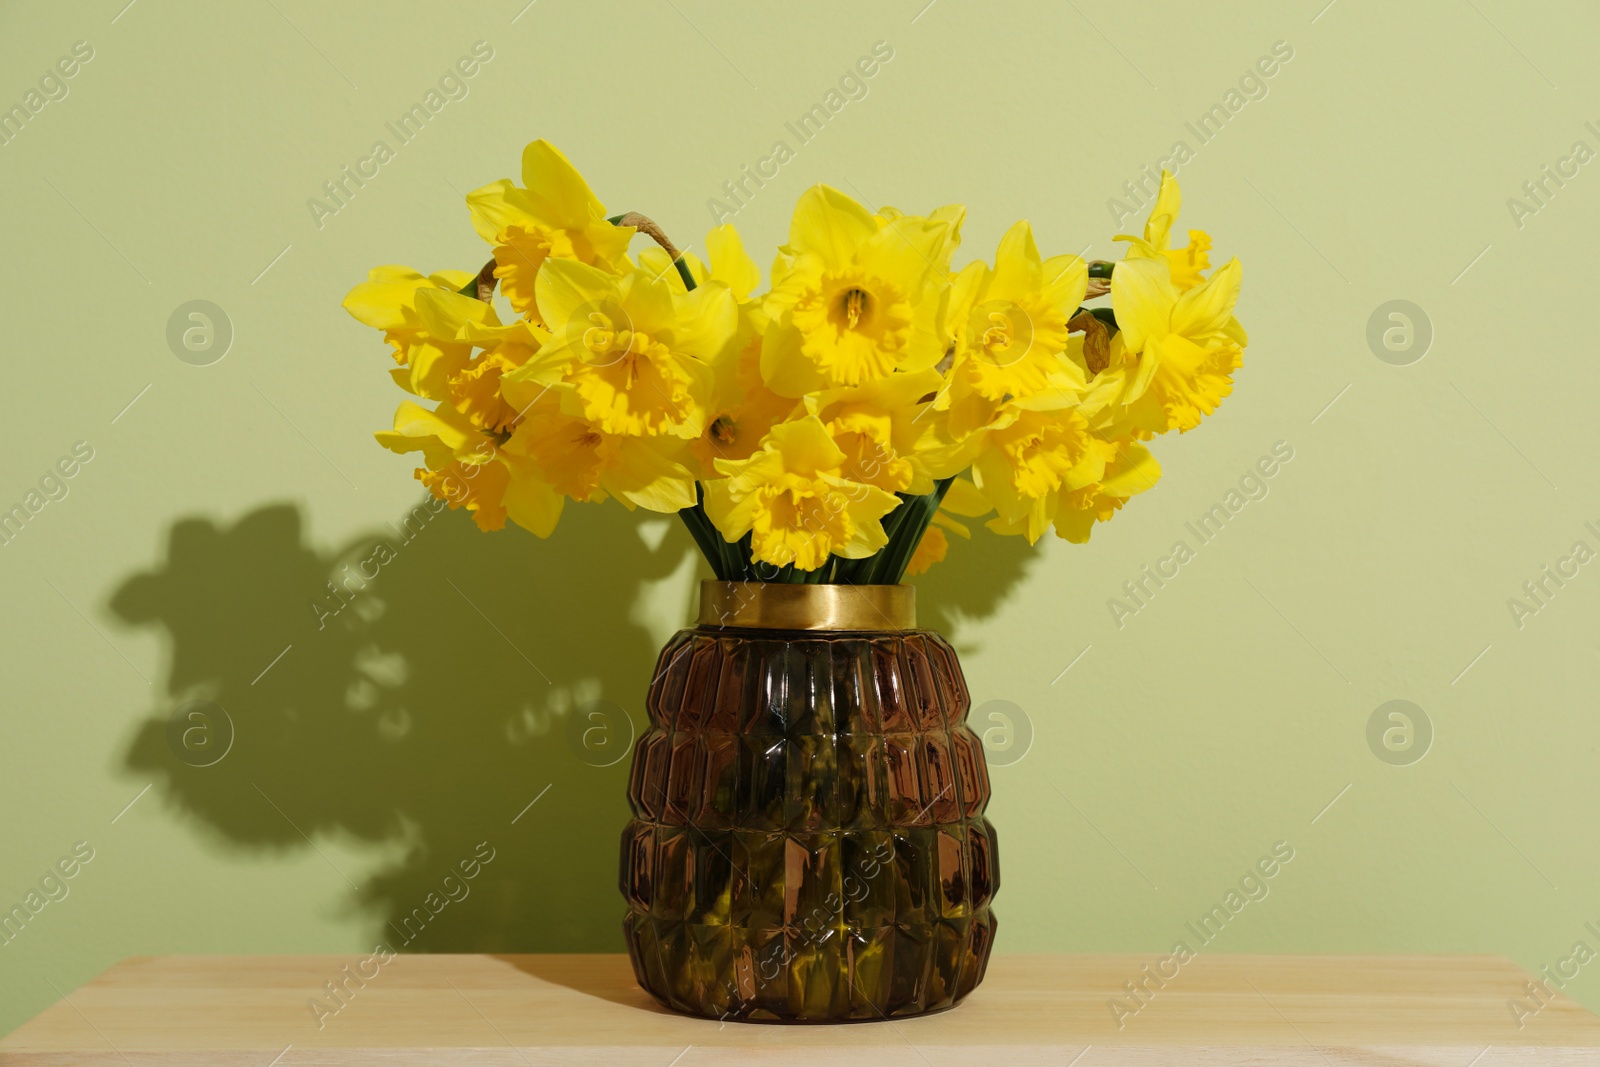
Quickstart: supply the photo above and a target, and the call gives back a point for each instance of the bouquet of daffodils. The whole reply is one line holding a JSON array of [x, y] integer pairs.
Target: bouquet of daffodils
[[834, 428]]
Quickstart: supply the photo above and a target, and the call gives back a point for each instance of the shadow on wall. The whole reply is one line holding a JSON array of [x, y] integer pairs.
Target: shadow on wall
[[972, 582], [421, 710]]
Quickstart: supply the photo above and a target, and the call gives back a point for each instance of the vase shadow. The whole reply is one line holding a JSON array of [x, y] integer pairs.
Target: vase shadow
[[604, 979], [453, 698], [417, 713]]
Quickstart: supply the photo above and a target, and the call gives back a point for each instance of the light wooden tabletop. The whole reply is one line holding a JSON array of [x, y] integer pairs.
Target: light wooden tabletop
[[533, 1011]]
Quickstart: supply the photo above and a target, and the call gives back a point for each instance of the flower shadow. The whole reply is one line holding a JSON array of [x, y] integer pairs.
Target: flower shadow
[[413, 710]]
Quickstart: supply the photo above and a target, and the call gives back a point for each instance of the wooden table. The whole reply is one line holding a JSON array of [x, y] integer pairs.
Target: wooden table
[[522, 1011]]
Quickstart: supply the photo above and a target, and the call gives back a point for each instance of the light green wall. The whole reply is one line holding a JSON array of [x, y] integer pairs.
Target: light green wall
[[1221, 718]]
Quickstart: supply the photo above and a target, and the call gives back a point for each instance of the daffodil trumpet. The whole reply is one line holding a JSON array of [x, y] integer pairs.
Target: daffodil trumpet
[[836, 427]]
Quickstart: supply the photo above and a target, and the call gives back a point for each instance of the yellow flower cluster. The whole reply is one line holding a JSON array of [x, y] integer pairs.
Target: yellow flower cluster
[[831, 428]]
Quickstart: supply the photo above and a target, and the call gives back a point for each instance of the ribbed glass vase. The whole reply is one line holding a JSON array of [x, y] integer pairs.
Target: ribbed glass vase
[[808, 841]]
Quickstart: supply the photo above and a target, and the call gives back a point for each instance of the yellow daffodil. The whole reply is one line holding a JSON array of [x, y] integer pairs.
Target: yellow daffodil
[[581, 462], [627, 353], [555, 215], [467, 469], [741, 408], [474, 388], [789, 424], [853, 301], [1185, 264], [1187, 345], [387, 301], [1029, 457], [1010, 331], [1032, 465], [475, 391], [1131, 469], [794, 500], [880, 429]]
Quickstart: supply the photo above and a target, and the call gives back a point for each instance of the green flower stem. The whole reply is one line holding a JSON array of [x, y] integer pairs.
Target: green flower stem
[[684, 273], [706, 537], [647, 226], [909, 535], [876, 566]]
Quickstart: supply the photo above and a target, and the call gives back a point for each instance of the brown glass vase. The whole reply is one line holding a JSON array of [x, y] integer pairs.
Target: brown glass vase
[[808, 841]]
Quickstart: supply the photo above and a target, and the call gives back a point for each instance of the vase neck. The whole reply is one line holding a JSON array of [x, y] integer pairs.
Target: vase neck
[[778, 606]]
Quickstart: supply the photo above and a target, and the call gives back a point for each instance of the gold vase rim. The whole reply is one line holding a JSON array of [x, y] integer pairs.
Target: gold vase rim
[[835, 608]]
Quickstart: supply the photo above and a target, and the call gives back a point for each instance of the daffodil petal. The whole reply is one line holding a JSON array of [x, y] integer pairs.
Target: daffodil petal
[[644, 473], [447, 315], [498, 206], [785, 370], [1208, 307], [829, 224], [706, 321], [1164, 212], [1133, 471], [1066, 280], [907, 248], [1142, 295], [806, 445], [380, 301], [552, 176], [566, 287], [732, 517], [531, 503], [442, 436], [1017, 267], [868, 506], [963, 498], [729, 262]]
